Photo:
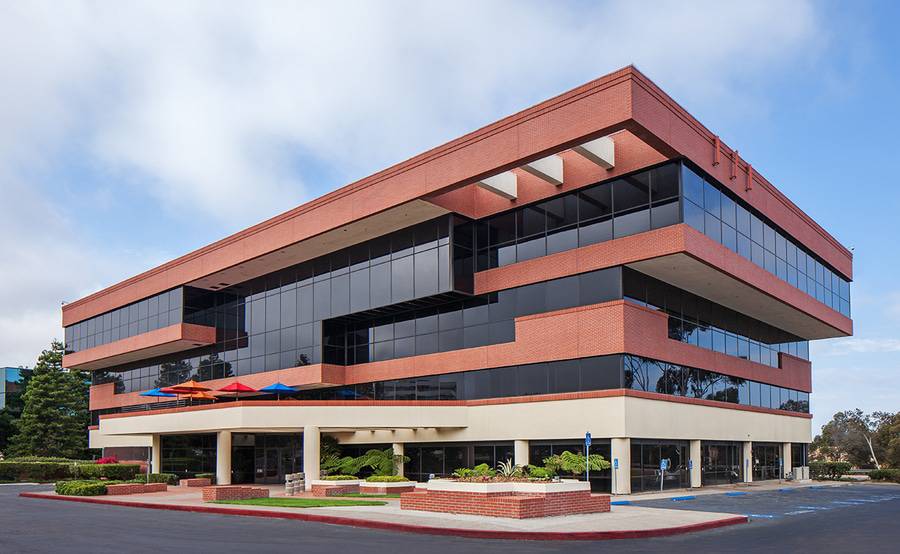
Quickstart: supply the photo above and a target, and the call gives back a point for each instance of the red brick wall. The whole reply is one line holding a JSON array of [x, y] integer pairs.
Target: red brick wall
[[233, 492], [505, 504], [135, 488], [377, 488], [334, 490], [204, 482]]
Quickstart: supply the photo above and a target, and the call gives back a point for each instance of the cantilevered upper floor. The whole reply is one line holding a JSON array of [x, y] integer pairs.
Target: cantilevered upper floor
[[613, 173]]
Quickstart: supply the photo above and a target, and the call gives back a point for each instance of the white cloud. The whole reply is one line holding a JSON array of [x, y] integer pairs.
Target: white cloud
[[854, 345], [208, 107]]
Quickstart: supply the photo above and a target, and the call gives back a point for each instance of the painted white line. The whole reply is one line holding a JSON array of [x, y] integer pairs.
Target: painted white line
[[796, 512], [765, 516]]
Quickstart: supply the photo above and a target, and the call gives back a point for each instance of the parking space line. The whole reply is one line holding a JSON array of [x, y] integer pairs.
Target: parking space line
[[764, 516], [796, 512]]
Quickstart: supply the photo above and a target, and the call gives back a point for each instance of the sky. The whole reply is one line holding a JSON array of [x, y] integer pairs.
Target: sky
[[132, 133]]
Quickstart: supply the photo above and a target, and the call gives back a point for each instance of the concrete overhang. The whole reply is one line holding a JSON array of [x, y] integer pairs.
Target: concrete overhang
[[288, 415], [361, 230], [159, 342]]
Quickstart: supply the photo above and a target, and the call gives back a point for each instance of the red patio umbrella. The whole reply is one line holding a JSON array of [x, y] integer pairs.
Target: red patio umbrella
[[237, 388]]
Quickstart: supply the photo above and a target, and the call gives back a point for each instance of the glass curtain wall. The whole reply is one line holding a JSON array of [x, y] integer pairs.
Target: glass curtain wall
[[766, 461], [646, 455], [721, 463]]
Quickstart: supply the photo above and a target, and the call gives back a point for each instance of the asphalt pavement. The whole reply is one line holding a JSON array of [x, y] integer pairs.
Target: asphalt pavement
[[856, 518]]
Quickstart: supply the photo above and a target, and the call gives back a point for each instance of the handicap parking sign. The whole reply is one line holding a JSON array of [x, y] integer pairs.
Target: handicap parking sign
[[664, 465]]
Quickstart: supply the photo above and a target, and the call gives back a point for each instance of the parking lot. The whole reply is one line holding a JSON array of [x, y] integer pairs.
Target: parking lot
[[765, 506]]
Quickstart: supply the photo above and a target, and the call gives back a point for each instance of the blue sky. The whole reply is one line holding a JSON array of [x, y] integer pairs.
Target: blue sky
[[132, 135]]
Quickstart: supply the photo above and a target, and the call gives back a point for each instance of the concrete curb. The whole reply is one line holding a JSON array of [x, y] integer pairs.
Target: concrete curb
[[420, 529]]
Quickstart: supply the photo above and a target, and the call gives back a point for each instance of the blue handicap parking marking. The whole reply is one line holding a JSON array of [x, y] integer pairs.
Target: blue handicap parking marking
[[736, 493]]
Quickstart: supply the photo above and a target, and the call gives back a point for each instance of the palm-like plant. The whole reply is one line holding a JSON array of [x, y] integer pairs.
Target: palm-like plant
[[509, 469]]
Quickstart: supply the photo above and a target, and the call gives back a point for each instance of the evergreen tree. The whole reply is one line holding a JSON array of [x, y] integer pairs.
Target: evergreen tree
[[10, 414], [55, 413]]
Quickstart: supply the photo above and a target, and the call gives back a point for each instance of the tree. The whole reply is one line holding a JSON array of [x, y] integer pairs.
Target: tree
[[851, 436], [888, 437], [10, 414], [55, 410]]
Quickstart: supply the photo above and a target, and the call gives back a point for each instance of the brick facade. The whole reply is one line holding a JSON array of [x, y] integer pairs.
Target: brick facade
[[135, 488], [233, 492], [506, 504], [382, 488], [319, 489], [195, 482]]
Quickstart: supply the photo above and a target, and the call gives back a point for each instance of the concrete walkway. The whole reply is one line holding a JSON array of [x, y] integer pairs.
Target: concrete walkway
[[621, 522]]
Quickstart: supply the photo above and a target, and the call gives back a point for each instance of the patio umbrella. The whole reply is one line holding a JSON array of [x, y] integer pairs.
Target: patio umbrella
[[237, 388], [278, 389], [158, 393], [187, 388], [202, 395]]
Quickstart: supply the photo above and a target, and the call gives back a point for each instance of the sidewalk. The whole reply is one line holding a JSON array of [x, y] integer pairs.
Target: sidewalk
[[621, 522], [722, 489]]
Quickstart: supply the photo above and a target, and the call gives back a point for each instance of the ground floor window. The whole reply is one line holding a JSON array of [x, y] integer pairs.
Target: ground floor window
[[265, 457], [721, 463], [188, 455], [646, 474], [127, 453], [601, 481], [766, 461], [441, 460], [799, 454]]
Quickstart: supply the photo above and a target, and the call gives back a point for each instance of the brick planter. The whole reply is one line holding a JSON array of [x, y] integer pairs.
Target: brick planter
[[135, 488], [387, 488], [195, 482], [510, 500], [322, 487], [233, 492]]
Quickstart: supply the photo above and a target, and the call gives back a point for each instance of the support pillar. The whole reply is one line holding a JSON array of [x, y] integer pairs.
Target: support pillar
[[311, 454], [155, 454], [696, 465], [787, 463], [748, 462], [399, 450], [520, 453], [620, 452], [223, 458]]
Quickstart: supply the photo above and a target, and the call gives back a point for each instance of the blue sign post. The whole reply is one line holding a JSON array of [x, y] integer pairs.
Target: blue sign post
[[587, 456], [663, 466]]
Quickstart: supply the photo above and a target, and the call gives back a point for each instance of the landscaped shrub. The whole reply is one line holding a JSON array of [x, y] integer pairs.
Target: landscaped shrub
[[81, 488], [340, 477], [167, 478], [828, 470], [120, 472], [386, 479], [35, 471], [481, 470], [885, 475], [210, 476], [47, 459], [107, 460], [574, 464], [536, 472]]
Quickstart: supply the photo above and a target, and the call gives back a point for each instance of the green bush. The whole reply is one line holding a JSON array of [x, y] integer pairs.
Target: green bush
[[119, 472], [386, 479], [81, 488], [167, 478], [885, 475], [828, 470], [35, 471], [339, 477], [481, 470], [47, 459], [536, 472]]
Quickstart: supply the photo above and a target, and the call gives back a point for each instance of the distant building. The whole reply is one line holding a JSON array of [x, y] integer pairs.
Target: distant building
[[11, 383]]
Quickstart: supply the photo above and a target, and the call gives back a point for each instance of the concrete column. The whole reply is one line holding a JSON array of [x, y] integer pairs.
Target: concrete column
[[787, 465], [223, 458], [311, 454], [520, 453], [696, 458], [155, 455], [748, 461], [398, 449], [620, 451]]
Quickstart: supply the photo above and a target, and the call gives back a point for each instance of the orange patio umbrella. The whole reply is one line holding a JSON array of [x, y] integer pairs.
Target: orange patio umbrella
[[202, 395], [188, 387]]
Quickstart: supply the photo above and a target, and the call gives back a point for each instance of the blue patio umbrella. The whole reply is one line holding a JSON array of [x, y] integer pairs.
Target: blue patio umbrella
[[157, 393], [278, 389]]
